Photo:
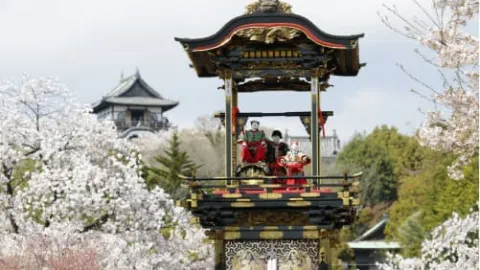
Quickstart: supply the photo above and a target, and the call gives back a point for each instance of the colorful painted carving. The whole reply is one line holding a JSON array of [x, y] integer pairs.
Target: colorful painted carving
[[295, 260], [248, 259]]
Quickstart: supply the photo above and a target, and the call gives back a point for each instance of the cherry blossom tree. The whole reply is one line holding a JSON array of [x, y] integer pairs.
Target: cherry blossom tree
[[453, 245], [62, 168], [453, 125]]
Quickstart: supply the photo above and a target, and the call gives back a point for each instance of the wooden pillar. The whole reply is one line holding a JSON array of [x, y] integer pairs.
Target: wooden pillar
[[314, 123], [324, 252], [228, 125], [234, 133], [319, 160], [220, 262]]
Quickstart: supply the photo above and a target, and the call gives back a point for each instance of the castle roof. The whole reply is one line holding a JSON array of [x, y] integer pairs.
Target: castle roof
[[134, 91]]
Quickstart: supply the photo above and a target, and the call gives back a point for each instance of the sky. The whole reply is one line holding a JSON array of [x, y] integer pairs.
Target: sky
[[87, 44]]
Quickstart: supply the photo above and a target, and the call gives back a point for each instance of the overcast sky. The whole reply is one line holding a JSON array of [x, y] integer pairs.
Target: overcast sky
[[88, 43]]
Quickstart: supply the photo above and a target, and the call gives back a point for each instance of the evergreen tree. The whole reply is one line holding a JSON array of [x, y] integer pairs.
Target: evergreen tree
[[172, 162]]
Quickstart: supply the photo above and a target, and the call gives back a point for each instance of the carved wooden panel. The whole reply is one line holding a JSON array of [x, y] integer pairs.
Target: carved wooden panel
[[290, 254]]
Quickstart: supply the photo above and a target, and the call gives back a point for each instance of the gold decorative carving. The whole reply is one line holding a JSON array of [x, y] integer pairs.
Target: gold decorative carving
[[253, 172], [272, 219], [271, 54], [271, 235], [295, 259], [270, 65], [268, 6], [248, 259], [269, 35]]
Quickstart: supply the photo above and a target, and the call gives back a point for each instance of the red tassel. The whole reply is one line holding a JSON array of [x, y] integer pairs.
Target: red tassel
[[235, 111], [322, 121]]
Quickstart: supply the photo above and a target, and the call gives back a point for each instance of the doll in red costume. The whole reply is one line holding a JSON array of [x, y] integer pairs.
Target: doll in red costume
[[253, 143], [294, 161]]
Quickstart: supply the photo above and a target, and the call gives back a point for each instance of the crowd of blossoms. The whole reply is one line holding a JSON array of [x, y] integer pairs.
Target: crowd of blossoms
[[453, 245], [453, 127], [68, 185]]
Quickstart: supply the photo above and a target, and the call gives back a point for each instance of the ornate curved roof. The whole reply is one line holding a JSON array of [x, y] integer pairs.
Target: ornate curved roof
[[246, 40], [266, 20]]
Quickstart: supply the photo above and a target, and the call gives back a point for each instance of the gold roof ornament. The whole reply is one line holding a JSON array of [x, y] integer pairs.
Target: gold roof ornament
[[269, 35], [268, 6]]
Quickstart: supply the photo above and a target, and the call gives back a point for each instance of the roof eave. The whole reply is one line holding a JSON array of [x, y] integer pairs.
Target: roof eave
[[229, 29]]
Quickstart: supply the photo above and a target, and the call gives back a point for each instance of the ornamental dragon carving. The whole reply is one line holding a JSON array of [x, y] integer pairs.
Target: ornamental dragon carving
[[269, 35], [268, 6]]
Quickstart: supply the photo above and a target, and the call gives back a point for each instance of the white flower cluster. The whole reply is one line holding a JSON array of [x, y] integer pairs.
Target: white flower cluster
[[61, 167], [454, 125], [453, 246]]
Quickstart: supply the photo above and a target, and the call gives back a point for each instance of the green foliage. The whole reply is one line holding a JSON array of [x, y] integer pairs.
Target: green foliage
[[19, 181], [343, 252], [416, 191], [429, 198], [384, 156], [411, 234], [172, 163], [453, 196]]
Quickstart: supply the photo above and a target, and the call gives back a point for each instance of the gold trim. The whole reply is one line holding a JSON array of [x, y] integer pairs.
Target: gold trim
[[193, 203], [232, 235], [271, 235], [242, 204], [271, 228], [194, 220], [299, 203], [270, 186], [310, 194], [243, 200], [270, 196], [355, 201], [232, 195], [311, 227], [232, 228], [310, 234], [296, 199]]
